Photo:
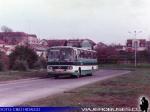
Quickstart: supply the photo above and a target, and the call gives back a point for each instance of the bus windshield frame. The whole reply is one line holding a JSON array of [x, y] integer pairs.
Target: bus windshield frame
[[61, 55]]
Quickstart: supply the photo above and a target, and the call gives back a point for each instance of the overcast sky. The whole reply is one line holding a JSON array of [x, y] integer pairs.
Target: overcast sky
[[106, 21]]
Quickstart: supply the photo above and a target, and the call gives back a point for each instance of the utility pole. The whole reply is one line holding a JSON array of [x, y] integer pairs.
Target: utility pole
[[135, 46]]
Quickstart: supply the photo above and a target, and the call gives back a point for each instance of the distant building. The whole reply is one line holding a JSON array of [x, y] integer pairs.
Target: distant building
[[44, 42], [120, 47], [83, 43], [100, 45], [139, 44], [148, 45], [9, 40], [32, 39], [74, 42], [13, 38], [56, 42], [39, 49]]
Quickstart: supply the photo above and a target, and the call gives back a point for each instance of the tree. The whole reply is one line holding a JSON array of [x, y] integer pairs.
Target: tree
[[106, 54], [40, 63], [23, 54], [6, 29], [143, 56]]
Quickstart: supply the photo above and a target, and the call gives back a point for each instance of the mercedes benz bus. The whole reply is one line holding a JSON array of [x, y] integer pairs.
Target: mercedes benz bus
[[72, 61]]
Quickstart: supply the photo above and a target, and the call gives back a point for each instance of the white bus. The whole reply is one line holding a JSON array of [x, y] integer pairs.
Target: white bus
[[66, 60]]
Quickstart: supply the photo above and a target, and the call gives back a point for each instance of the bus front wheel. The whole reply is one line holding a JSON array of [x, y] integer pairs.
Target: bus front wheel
[[56, 76], [79, 74]]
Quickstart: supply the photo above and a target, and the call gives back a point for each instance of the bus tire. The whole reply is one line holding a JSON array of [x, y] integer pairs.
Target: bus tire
[[90, 74], [75, 76], [56, 77], [80, 71], [78, 75], [50, 75]]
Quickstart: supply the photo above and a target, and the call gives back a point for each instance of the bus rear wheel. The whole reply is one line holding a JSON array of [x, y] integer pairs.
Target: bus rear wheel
[[91, 72]]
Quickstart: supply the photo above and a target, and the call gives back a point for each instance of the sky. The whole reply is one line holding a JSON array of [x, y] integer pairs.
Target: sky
[[108, 21]]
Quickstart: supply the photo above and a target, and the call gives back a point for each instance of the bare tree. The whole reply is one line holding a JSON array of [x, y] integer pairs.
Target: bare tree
[[6, 29]]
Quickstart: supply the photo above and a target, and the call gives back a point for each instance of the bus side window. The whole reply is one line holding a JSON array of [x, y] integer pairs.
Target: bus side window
[[75, 55], [79, 53], [95, 55], [91, 55]]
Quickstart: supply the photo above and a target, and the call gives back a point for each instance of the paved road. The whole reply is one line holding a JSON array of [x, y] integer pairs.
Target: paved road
[[19, 91]]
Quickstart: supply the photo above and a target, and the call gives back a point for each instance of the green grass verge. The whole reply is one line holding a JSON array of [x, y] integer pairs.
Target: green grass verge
[[124, 66], [121, 91], [14, 75]]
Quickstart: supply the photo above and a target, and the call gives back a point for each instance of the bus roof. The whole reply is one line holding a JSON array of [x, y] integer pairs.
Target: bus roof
[[72, 48]]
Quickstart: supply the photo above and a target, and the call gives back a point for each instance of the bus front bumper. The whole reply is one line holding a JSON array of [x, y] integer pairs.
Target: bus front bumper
[[61, 73]]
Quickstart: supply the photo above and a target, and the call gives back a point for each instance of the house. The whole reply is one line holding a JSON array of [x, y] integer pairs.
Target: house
[[43, 42], [39, 49], [9, 40], [32, 39]]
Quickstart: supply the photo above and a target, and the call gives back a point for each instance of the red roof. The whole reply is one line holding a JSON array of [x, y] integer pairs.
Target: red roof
[[56, 42], [32, 35], [64, 42]]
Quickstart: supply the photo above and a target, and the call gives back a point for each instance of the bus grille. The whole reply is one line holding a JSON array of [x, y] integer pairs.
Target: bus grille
[[60, 67]]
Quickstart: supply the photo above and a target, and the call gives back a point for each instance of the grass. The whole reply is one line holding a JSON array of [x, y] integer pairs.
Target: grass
[[124, 66], [121, 91], [14, 75]]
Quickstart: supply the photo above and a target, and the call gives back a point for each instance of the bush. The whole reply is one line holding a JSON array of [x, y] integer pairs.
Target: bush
[[1, 66], [41, 63], [23, 53], [4, 61], [20, 65]]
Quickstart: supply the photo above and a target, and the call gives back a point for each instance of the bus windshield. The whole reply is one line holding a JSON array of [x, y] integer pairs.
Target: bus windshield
[[61, 55]]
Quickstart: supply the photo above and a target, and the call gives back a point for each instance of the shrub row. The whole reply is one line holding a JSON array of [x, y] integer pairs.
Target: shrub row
[[22, 58]]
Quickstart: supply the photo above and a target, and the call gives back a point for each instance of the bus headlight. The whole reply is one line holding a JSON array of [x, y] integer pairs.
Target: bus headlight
[[70, 67], [49, 68]]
